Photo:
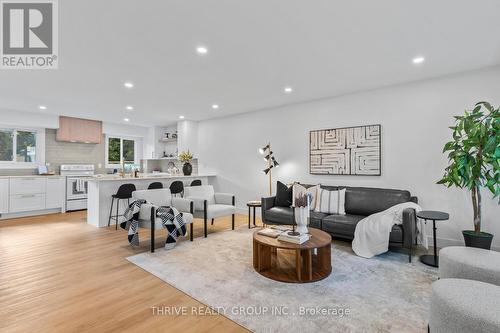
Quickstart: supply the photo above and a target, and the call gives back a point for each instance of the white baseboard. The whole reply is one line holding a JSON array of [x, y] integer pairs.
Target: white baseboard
[[444, 242], [7, 216]]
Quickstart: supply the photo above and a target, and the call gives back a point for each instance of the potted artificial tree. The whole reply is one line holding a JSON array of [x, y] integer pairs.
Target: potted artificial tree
[[474, 155]]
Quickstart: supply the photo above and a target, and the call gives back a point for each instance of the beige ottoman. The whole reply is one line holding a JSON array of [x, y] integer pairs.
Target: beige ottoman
[[469, 263], [464, 306]]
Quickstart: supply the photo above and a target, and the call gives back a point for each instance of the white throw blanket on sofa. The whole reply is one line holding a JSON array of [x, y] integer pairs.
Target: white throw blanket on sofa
[[371, 236]]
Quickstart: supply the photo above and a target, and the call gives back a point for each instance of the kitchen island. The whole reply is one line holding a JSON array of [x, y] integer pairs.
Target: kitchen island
[[102, 187]]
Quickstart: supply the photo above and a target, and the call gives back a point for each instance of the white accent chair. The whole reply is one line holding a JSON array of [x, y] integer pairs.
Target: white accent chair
[[464, 306], [155, 199], [210, 205], [471, 263], [465, 298]]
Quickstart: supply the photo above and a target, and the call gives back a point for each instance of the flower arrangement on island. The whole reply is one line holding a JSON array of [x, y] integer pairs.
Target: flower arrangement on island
[[185, 156]]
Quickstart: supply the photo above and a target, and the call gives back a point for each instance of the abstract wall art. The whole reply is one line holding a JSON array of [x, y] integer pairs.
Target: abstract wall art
[[345, 151]]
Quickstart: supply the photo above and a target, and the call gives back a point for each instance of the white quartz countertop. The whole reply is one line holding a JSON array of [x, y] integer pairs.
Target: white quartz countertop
[[105, 178], [32, 176]]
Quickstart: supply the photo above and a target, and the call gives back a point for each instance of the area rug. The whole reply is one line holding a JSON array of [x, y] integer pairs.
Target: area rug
[[382, 294]]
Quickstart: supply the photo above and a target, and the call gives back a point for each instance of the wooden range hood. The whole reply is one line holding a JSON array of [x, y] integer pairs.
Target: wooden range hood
[[79, 130]]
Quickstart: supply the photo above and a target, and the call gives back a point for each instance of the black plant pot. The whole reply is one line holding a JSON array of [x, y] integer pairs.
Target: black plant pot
[[481, 240], [187, 169]]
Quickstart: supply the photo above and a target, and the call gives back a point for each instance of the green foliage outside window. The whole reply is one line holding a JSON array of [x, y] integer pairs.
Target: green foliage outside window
[[128, 151], [26, 147], [117, 146], [17, 146], [114, 150], [6, 145]]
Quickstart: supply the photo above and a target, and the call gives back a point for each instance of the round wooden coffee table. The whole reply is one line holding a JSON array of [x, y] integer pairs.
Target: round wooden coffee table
[[312, 258]]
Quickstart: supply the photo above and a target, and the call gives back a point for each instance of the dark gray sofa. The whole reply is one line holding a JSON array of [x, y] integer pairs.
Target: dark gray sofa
[[359, 203]]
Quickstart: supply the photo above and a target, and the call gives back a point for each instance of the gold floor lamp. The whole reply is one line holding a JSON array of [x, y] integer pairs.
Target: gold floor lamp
[[271, 163]]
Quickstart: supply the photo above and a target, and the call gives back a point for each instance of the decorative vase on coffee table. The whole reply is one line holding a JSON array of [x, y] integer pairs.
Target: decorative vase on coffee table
[[301, 219]]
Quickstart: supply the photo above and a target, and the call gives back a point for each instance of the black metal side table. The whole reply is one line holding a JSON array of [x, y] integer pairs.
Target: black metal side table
[[253, 204], [428, 259]]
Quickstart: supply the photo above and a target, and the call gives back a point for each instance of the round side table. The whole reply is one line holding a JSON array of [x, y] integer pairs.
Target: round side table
[[428, 259], [253, 204]]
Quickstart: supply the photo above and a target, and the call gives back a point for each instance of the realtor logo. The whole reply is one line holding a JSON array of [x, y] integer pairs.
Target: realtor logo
[[29, 34]]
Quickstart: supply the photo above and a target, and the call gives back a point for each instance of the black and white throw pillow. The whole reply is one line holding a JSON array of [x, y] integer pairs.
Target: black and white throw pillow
[[331, 202]]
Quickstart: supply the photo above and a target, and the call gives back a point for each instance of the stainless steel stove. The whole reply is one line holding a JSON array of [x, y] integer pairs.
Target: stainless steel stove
[[77, 176]]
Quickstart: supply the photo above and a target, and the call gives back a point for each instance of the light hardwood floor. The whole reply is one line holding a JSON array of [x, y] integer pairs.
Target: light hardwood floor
[[58, 274]]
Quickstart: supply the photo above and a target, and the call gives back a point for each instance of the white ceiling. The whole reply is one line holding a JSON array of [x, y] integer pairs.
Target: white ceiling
[[321, 48]]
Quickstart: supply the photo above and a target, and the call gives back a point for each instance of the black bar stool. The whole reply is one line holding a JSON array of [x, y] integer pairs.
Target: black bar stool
[[124, 192], [177, 187], [196, 182], [155, 185]]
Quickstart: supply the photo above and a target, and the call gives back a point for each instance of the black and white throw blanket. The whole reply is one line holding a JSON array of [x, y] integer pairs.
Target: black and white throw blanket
[[171, 218]]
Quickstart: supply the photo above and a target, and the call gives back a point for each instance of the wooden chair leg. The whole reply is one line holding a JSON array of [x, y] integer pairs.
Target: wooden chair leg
[[205, 227], [212, 221], [232, 222], [191, 231]]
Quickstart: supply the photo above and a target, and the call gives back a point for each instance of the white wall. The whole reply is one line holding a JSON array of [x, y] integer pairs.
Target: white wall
[[187, 132], [28, 119], [124, 130], [38, 120], [414, 118]]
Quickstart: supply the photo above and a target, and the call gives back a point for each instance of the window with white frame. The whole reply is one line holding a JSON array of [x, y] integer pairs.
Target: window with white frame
[[120, 149], [18, 146]]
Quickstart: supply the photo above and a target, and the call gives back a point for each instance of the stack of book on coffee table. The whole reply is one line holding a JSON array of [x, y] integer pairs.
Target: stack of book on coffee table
[[291, 238], [270, 232], [284, 234]]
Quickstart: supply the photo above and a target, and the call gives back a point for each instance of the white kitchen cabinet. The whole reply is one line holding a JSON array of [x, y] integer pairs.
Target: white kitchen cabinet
[[27, 185], [31, 195], [4, 196], [54, 196], [26, 202]]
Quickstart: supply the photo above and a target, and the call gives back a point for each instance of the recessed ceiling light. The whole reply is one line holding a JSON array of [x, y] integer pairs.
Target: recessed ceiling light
[[129, 107], [128, 85], [418, 60], [42, 107], [126, 119], [202, 50], [288, 90], [215, 106], [181, 117]]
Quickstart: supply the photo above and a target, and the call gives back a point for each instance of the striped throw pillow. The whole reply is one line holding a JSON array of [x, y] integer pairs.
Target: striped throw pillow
[[330, 202]]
